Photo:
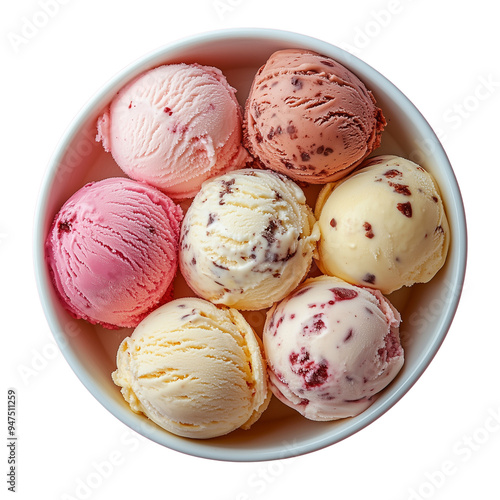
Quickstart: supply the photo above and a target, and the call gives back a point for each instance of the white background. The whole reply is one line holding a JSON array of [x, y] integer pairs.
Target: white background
[[440, 441]]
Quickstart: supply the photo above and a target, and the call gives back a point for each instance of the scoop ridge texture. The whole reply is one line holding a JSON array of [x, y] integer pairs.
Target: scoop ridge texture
[[309, 117], [112, 251], [174, 127], [248, 239], [195, 369]]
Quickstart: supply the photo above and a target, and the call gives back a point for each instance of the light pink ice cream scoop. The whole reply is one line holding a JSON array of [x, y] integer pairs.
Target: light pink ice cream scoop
[[310, 118], [112, 251], [174, 127], [331, 347]]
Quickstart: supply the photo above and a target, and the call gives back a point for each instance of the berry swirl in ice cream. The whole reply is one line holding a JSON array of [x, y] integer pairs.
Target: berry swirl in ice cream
[[331, 347]]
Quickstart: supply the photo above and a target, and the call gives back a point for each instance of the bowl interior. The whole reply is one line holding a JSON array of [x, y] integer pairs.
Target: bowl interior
[[427, 310]]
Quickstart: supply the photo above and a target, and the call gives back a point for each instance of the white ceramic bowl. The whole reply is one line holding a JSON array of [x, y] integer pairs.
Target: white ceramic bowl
[[427, 309]]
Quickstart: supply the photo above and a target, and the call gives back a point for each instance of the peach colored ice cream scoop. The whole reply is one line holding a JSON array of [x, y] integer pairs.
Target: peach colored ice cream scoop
[[331, 347], [309, 117], [174, 127]]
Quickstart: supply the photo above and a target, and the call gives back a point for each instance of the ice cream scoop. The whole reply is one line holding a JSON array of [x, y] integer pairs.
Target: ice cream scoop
[[112, 251], [247, 239], [384, 226], [331, 347], [309, 117], [174, 127], [195, 369]]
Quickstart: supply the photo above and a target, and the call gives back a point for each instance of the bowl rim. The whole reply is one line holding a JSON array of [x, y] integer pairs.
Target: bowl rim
[[193, 447]]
